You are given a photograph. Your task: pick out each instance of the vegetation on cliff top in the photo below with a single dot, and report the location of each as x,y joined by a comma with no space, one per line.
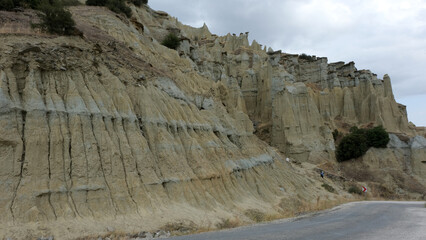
117,6
54,17
307,57
357,143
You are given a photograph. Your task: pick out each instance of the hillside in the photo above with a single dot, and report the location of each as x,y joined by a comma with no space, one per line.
113,132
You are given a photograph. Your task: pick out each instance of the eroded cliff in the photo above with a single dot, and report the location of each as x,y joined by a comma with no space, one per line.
114,129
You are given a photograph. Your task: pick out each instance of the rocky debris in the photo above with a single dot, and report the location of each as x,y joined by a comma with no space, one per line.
161,234
144,235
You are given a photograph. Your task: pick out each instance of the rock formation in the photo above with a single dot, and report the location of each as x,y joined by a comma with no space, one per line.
113,128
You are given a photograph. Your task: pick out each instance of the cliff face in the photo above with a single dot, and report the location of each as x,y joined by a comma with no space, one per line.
114,126
298,102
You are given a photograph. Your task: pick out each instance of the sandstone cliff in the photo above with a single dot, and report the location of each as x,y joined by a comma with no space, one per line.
114,129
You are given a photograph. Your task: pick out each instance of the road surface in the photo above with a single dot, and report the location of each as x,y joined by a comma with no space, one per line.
358,220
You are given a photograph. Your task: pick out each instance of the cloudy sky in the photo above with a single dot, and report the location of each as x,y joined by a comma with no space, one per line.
385,36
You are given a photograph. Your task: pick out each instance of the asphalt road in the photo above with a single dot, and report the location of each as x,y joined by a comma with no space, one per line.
358,220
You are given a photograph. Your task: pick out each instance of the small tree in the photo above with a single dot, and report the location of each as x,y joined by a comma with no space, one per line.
171,41
55,19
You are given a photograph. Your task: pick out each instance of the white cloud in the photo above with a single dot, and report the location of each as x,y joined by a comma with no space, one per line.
386,36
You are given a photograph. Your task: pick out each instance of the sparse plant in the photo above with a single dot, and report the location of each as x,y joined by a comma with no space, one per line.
180,227
171,41
355,190
328,188
227,223
255,215
335,134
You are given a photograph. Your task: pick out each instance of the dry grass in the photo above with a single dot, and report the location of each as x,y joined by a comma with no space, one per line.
263,131
302,207
255,215
181,227
258,216
328,188
289,210
116,235
228,223
355,190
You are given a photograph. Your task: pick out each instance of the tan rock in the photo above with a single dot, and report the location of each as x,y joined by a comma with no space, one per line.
86,143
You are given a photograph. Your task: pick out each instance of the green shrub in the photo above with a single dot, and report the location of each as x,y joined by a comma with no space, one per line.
96,2
351,146
328,187
377,137
171,41
139,2
10,4
307,57
359,141
67,3
7,5
119,6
